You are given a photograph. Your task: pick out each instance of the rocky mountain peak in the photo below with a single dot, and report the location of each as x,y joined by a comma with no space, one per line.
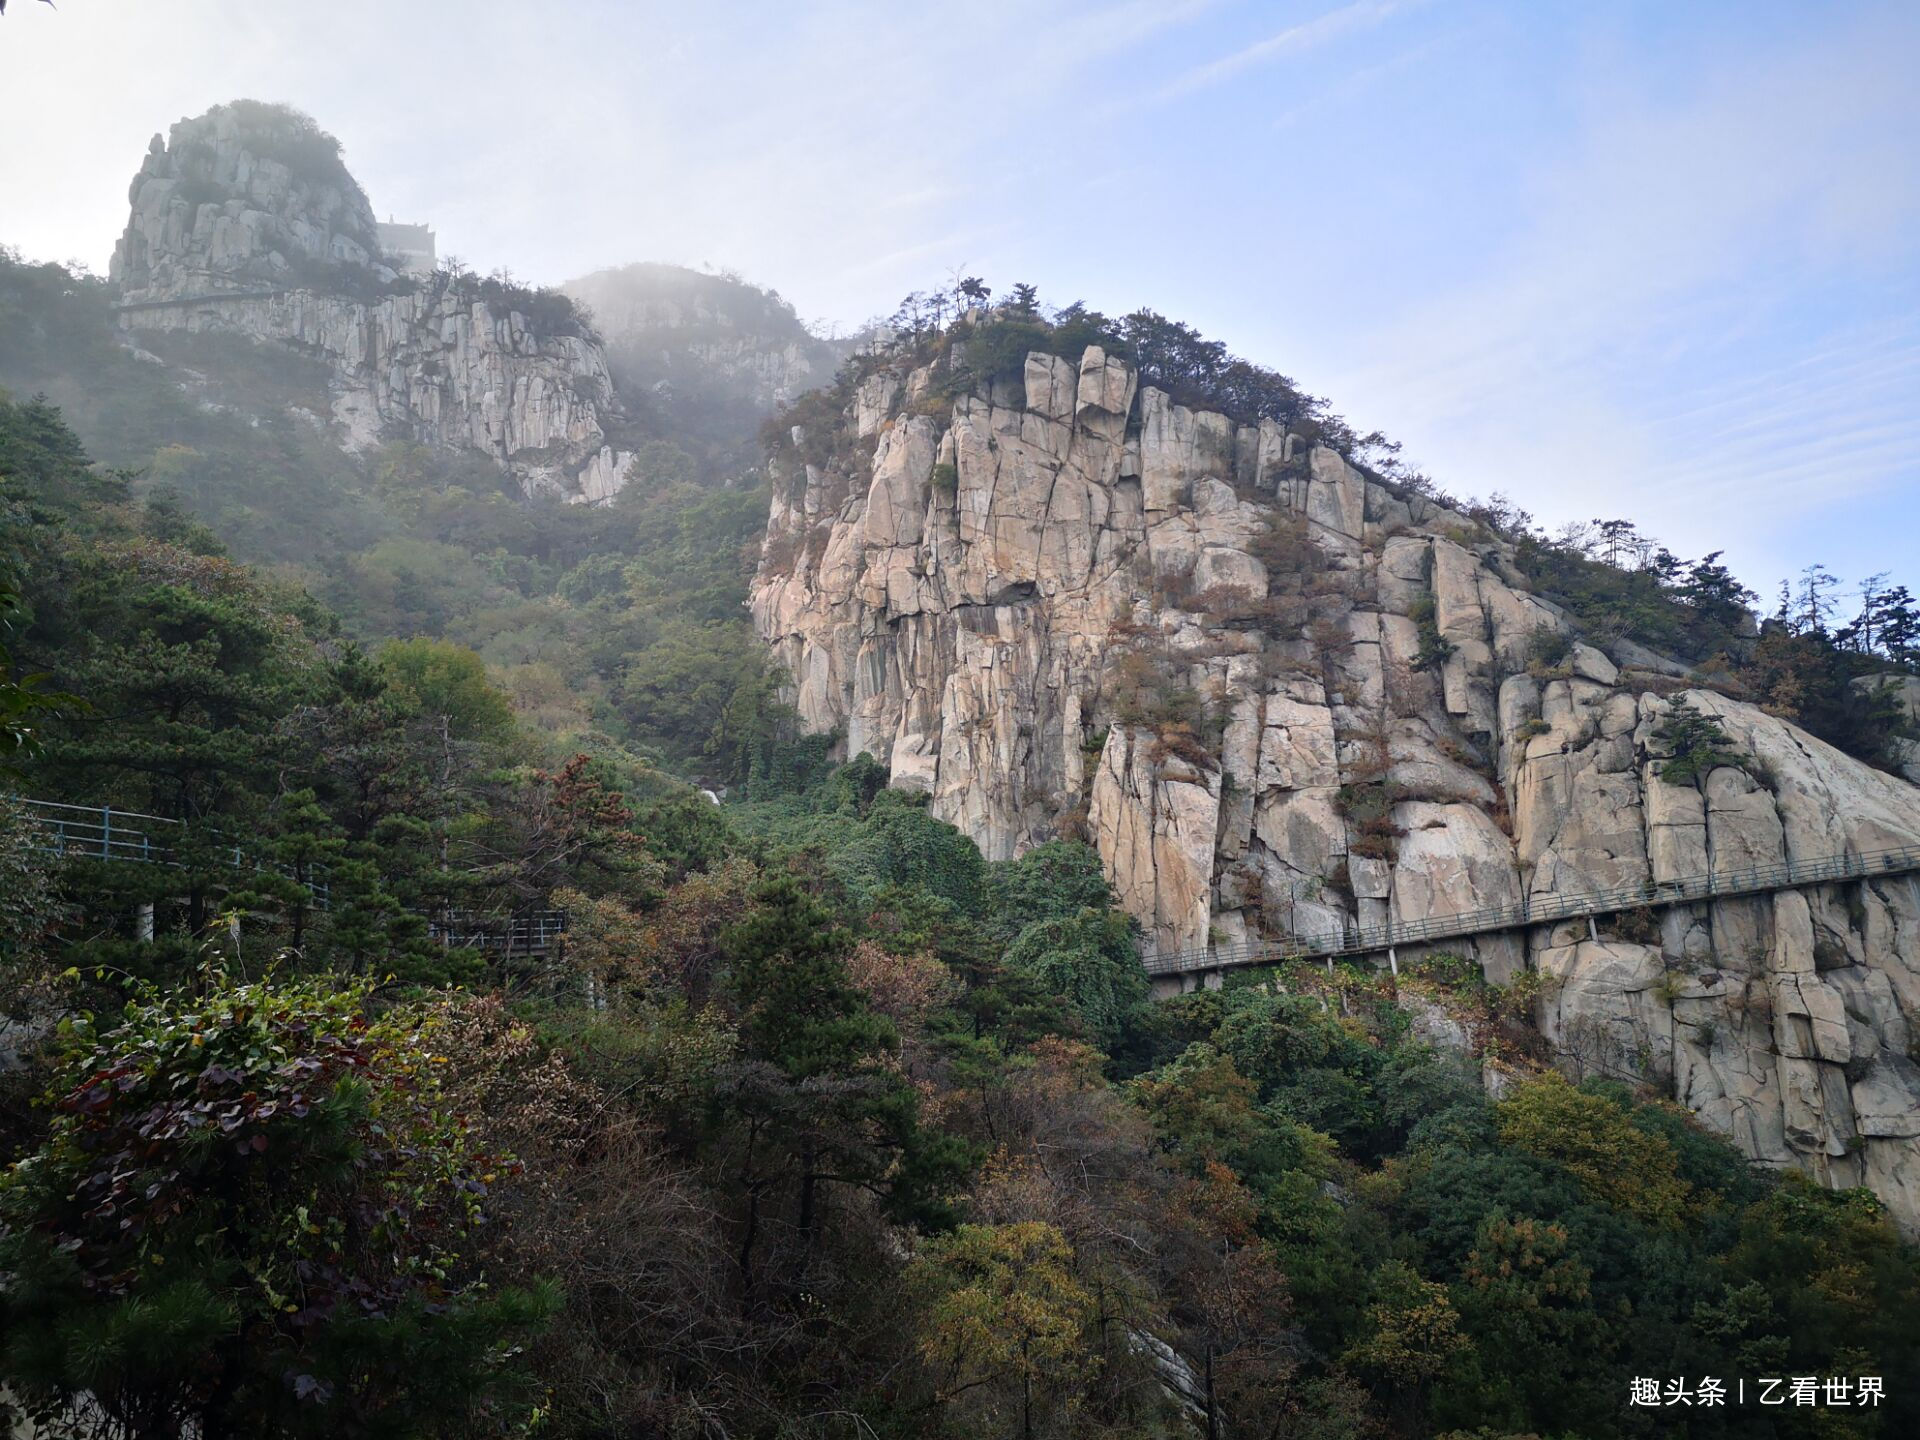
1284,697
705,356
248,193
246,222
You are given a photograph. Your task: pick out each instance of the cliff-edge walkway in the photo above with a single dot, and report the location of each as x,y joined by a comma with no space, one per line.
1364,940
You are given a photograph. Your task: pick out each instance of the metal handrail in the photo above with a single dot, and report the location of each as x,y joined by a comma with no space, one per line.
1542,909
100,832
530,931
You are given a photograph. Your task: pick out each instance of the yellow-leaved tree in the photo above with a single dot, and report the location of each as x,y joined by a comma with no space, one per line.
1006,1323
1415,1330
1615,1161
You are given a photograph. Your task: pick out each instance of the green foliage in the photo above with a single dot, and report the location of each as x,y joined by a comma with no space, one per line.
1801,665
1548,648
1054,881
24,701
685,831
44,480
185,664
1616,582
1481,1261
549,313
1809,677
1414,1331
30,908
871,840
1595,1139
448,683
1695,743
272,764
991,342
626,619
1368,805
264,1162
788,972
1435,648
1091,962
822,1094
1836,1282
1449,968
806,1094
899,843
275,487
1206,1112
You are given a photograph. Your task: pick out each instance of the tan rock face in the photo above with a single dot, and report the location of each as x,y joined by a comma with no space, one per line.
1155,823
222,239
1053,608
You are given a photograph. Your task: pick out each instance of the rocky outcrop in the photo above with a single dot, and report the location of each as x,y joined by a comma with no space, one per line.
1281,696
245,222
246,195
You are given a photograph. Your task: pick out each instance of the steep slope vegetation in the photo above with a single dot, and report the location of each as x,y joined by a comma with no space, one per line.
820,1121
624,620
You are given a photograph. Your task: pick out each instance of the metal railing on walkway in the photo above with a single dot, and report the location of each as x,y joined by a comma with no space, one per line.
1542,910
100,832
530,932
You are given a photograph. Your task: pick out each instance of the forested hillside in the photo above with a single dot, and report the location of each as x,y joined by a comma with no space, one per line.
623,621
813,1123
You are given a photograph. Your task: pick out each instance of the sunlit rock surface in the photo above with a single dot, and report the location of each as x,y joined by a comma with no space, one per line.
969,589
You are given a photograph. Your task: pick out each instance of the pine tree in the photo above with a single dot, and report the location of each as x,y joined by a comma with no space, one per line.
1695,743
817,1094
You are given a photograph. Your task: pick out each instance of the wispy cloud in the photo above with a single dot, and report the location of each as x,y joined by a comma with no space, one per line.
1362,81
1683,327
1294,40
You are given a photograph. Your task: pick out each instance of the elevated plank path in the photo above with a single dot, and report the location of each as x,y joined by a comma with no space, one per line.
1365,940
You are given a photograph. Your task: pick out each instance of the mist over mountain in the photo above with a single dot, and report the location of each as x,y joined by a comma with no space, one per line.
705,357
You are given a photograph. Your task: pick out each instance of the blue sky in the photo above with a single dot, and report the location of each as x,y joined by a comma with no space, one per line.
1653,260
